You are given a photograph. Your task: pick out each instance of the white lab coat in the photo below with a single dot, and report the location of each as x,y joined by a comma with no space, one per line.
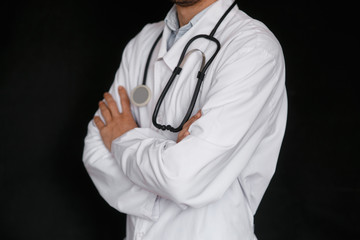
210,184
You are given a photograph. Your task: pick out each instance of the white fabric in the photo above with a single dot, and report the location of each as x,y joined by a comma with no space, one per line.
210,184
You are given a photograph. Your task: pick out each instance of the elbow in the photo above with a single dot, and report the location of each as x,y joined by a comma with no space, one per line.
186,175
191,195
179,195
189,188
198,201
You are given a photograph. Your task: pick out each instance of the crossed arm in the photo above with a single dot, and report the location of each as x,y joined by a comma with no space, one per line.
143,164
110,180
116,123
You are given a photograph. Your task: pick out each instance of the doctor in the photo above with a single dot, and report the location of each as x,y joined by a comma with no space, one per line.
206,181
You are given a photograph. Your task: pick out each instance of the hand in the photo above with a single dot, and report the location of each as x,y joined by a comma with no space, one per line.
116,123
185,130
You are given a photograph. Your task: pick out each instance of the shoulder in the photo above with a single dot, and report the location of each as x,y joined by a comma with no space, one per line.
251,57
149,32
144,38
244,33
247,45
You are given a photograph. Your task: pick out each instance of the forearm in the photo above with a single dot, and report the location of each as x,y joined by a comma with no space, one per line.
194,172
110,181
238,114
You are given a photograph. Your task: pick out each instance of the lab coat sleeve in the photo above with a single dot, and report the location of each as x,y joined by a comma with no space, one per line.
113,185
242,110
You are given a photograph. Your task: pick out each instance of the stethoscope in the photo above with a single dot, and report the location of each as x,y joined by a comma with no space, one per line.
141,95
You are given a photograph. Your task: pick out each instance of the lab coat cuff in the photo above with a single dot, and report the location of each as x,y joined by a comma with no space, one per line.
151,208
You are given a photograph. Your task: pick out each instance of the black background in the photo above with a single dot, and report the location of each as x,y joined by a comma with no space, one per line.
57,59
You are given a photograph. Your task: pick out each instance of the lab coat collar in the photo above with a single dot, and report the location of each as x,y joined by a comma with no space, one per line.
171,19
204,26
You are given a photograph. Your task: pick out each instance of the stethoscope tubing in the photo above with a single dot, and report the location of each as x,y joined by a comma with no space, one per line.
177,70
149,58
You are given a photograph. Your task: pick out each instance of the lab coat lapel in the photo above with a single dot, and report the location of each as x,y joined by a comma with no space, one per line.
204,26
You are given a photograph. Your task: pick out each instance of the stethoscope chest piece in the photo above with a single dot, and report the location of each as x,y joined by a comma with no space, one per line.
140,96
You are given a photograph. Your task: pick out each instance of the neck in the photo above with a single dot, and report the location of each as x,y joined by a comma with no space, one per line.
185,14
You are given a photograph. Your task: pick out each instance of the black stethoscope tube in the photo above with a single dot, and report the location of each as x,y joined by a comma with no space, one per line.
149,58
177,70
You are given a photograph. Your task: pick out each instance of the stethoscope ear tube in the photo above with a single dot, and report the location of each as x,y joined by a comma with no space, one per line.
193,100
201,74
200,77
191,106
177,70
149,57
189,53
